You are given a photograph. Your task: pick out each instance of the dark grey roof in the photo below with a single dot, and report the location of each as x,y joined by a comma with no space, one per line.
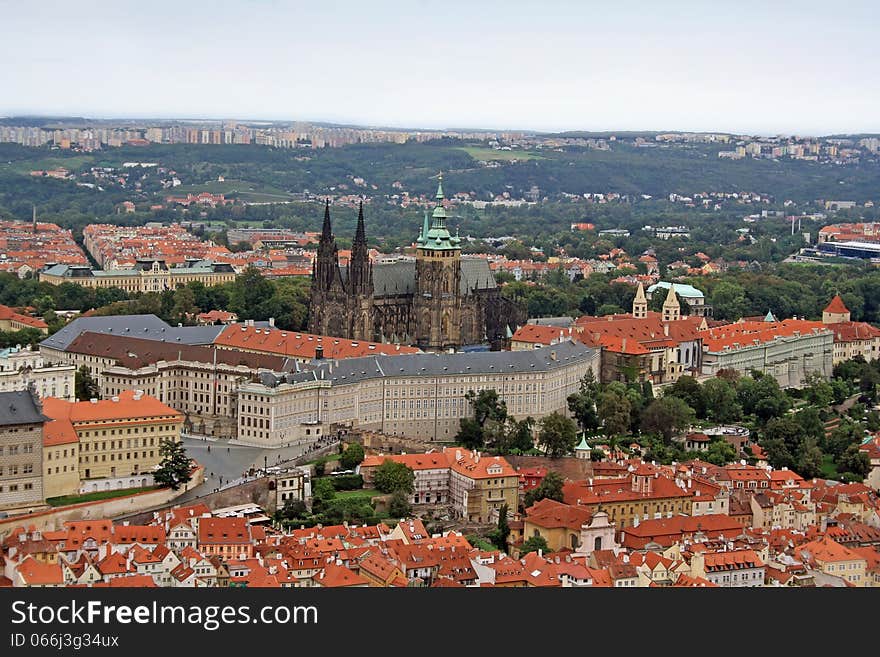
444,364
353,370
147,327
394,278
561,322
19,408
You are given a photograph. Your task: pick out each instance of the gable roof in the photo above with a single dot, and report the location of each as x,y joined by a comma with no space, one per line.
551,514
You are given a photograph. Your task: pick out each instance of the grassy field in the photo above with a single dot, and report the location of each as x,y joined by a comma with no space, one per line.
247,191
487,154
367,495
72,163
66,500
829,470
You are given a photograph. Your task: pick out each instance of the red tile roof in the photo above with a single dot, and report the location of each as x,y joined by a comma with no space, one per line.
551,514
302,345
836,306
37,573
127,408
224,531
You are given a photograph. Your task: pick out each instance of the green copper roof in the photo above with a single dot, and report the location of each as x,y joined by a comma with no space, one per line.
583,445
437,237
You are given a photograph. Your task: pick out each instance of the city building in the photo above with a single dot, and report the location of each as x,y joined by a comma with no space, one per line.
24,368
145,276
418,395
474,485
440,301
119,438
694,298
10,320
27,247
122,247
851,339
645,345
21,451
788,351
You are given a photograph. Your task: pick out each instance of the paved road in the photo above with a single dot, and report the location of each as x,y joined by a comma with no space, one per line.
228,464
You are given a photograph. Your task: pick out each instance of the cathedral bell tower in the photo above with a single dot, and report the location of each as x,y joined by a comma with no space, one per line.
437,302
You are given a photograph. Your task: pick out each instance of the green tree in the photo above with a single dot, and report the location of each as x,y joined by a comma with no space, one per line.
533,544
399,506
721,402
175,468
847,433
689,390
809,463
728,301
184,309
558,434
817,390
249,293
582,404
391,477
292,511
499,535
550,487
470,434
854,462
352,456
720,453
323,493
667,416
782,441
614,410
84,384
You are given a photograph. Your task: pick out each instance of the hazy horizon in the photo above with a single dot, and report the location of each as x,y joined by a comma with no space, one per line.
795,68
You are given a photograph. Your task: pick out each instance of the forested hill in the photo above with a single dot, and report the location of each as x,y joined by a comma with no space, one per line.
625,169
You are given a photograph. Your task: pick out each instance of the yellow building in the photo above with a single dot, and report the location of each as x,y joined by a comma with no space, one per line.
119,438
480,484
153,277
60,458
834,559
559,524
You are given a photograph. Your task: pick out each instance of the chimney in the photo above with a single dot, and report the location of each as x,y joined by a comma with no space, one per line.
666,330
272,322
552,355
319,352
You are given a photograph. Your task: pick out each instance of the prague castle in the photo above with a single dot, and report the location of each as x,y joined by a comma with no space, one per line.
441,301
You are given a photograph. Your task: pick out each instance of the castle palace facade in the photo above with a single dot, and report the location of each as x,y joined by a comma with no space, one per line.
441,301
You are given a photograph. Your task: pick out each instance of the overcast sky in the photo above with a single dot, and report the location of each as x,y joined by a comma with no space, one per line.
756,67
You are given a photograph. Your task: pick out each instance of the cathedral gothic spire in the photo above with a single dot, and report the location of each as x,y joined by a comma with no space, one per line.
360,272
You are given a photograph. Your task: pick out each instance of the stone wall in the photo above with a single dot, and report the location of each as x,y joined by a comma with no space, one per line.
54,519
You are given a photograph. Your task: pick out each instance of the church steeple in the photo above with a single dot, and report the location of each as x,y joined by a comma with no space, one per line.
671,307
327,260
327,229
360,236
360,278
640,303
437,237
